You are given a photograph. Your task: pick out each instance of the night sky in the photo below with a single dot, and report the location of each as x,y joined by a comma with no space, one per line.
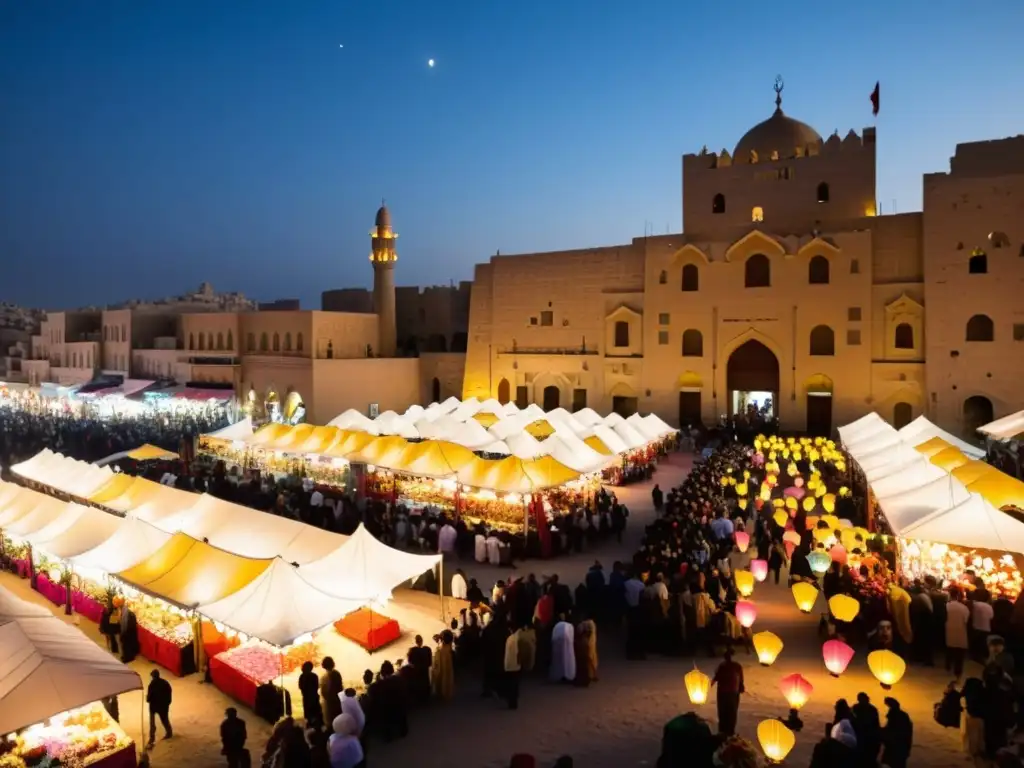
147,145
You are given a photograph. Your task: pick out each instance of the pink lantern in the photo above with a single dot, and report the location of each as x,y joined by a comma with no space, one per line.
791,536
742,541
837,655
796,689
746,613
790,546
838,553
760,569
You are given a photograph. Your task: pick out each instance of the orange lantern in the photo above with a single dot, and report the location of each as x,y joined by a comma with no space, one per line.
796,689
760,569
746,613
776,740
742,540
697,686
744,583
805,594
767,646
828,501
837,655
887,667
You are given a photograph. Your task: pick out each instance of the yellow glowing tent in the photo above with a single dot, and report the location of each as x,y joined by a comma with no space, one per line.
486,419
514,475
348,442
319,440
932,446
999,489
598,445
134,495
149,452
540,429
291,440
971,471
434,458
384,451
949,459
189,573
269,434
113,488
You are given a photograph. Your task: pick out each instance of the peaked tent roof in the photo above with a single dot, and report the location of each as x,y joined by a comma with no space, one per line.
48,667
148,452
79,529
973,523
42,513
512,475
864,425
1005,428
133,542
921,429
240,430
905,509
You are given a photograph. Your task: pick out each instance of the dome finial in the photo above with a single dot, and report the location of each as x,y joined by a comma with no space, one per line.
779,85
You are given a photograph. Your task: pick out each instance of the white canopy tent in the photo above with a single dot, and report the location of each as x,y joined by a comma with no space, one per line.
497,448
911,475
648,431
23,503
523,445
452,403
921,430
240,430
612,419
609,437
904,509
1005,428
629,435
48,667
658,424
865,425
79,529
353,419
390,423
134,541
42,514
511,425
974,523
575,454
588,417
470,434
54,470
438,428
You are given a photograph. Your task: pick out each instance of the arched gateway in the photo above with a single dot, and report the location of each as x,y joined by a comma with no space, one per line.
752,378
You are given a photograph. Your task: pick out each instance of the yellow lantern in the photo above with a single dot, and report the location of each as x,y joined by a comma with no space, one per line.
776,740
840,465
791,502
741,489
808,503
828,501
772,456
785,453
805,594
767,646
697,686
766,492
887,667
792,470
831,521
844,607
724,481
822,535
797,455
778,502
744,583
746,474
821,490
742,503
844,491
780,517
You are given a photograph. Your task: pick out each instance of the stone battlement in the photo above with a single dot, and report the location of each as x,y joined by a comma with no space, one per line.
705,160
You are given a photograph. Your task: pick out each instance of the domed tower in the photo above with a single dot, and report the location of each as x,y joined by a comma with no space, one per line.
383,256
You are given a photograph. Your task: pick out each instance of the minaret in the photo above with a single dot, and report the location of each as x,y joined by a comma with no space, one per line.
383,256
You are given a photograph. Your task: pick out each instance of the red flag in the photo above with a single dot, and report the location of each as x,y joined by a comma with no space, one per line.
874,100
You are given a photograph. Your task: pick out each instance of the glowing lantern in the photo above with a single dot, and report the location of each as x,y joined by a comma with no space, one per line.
791,502
837,655
791,536
791,470
797,455
772,456
768,646
746,613
772,481
887,667
840,465
766,492
724,481
790,546
811,522
744,583
828,501
831,521
805,594
760,569
808,503
697,686
838,553
844,491
741,489
742,503
822,535
746,474
742,540
796,689
776,740
819,562
780,517
844,607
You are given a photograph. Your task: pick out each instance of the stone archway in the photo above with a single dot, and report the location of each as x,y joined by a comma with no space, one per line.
552,397
752,368
504,391
977,412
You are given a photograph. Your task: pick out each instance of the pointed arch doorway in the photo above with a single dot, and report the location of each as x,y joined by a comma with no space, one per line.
819,405
752,379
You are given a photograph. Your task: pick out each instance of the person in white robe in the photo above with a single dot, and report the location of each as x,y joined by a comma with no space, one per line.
459,585
493,551
563,652
480,548
446,539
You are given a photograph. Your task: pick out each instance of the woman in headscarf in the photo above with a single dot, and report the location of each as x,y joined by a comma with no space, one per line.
443,669
343,746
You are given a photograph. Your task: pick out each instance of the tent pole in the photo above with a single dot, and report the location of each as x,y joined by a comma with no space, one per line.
440,587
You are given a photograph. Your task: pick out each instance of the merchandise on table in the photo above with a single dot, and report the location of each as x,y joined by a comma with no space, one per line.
165,621
86,736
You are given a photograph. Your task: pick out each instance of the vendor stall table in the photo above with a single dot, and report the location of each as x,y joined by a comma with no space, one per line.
233,682
368,628
54,592
87,606
123,758
175,658
22,567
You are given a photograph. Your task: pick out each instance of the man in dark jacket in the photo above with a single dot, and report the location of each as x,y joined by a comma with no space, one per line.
897,736
868,728
232,738
158,696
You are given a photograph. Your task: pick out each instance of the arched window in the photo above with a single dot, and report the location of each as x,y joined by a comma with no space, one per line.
818,271
662,277
718,203
106,333
978,263
231,341
288,341
823,341
124,333
277,341
191,341
693,343
757,272
691,277
298,342
757,214
504,391
263,342
902,413
823,192
977,413
209,341
980,328
250,342
435,390
621,334
904,336
202,342
220,340
552,397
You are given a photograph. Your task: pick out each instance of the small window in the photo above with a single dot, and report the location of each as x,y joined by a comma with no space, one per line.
853,314
818,271
547,317
192,340
522,397
250,342
853,337
663,318
264,345
691,278
854,267
220,340
718,203
663,277
533,321
757,272
621,333
823,341
579,400
823,192
1018,331
288,342
231,341
298,342
277,342
202,342
978,263
980,328
904,336
662,338
757,214
693,343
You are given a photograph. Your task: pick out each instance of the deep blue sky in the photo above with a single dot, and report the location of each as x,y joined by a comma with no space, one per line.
146,145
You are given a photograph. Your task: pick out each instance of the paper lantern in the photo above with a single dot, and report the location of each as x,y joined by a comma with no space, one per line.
828,501
742,540
792,536
844,607
767,646
792,470
805,594
791,502
760,569
746,474
831,521
778,502
838,553
776,740
844,491
811,522
823,535
744,583
772,481
742,503
837,655
808,503
741,489
724,481
780,517
766,492
746,613
887,667
790,546
697,686
797,690
819,562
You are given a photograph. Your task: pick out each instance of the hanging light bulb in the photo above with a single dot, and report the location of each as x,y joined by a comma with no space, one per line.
746,613
776,740
819,562
767,646
697,686
742,540
805,594
744,583
760,569
837,655
844,607
887,667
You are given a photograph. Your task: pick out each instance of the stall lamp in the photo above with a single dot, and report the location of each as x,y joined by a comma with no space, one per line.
805,594
776,740
767,646
843,607
697,686
837,655
819,561
744,583
887,667
742,540
746,613
760,569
